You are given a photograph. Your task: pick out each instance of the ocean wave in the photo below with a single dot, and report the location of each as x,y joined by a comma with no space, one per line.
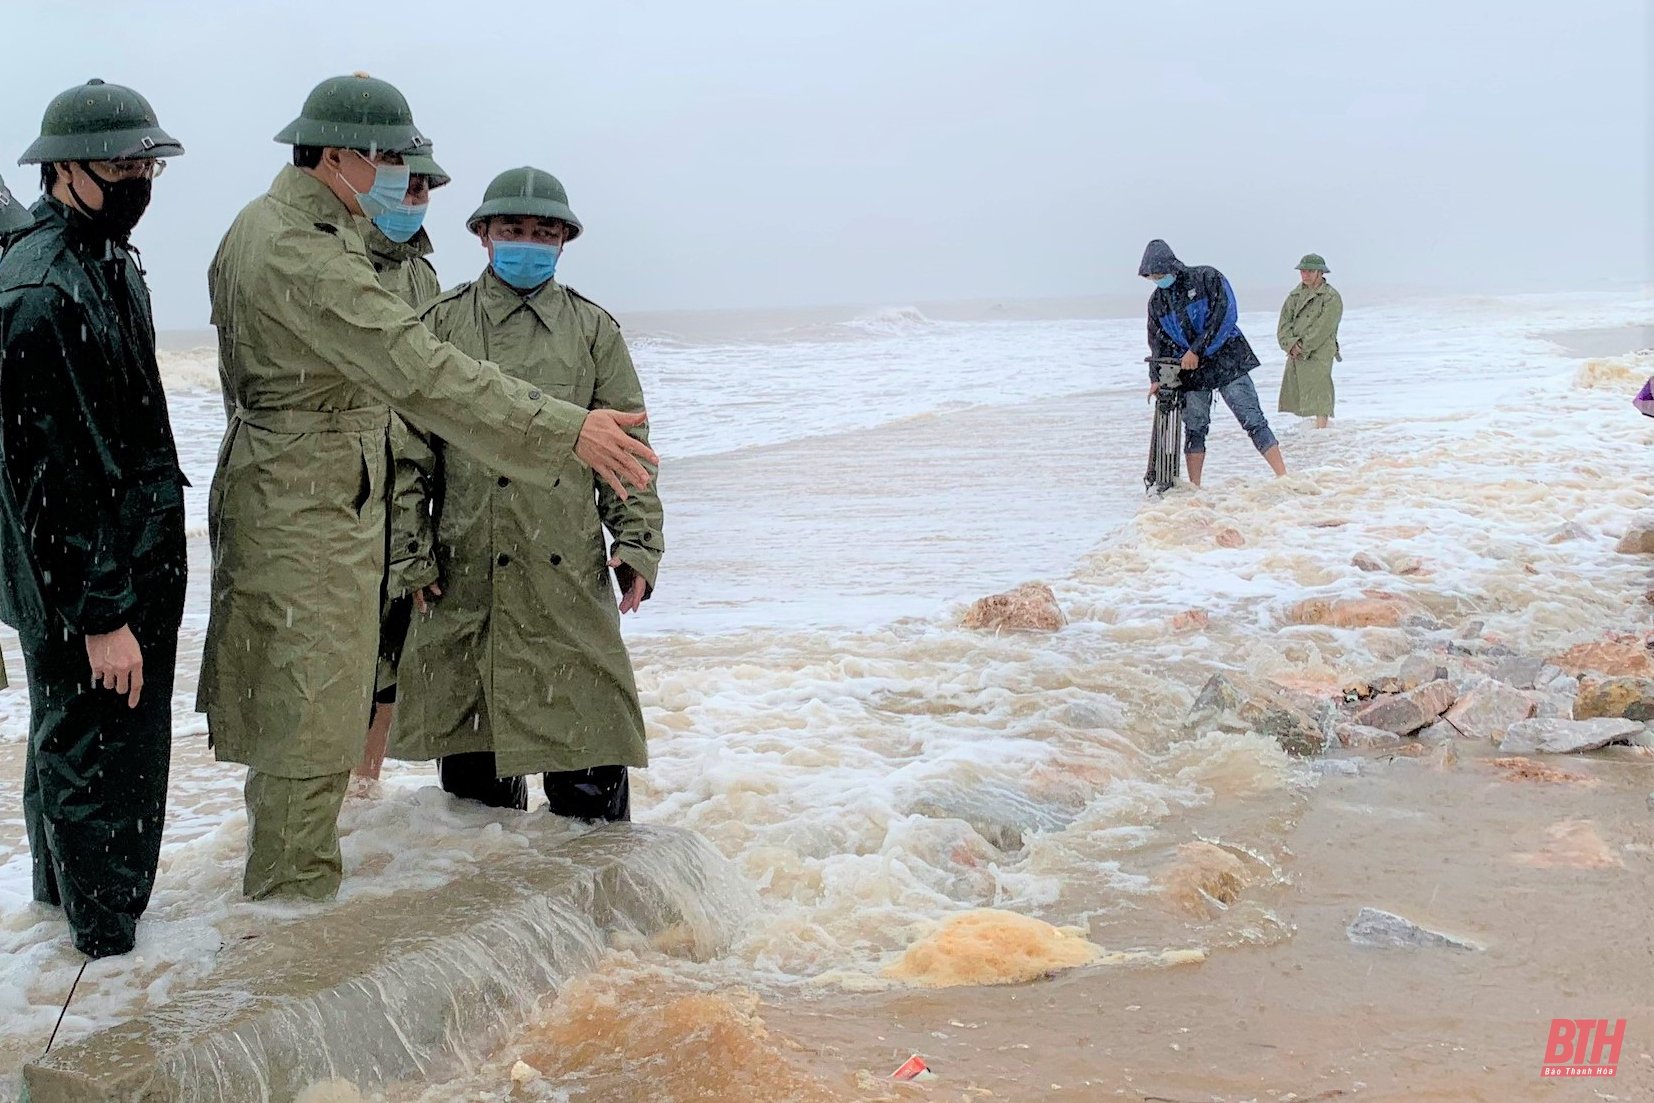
891,321
193,369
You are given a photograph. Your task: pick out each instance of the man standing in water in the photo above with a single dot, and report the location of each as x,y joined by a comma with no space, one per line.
1308,333
315,351
92,557
520,667
1193,319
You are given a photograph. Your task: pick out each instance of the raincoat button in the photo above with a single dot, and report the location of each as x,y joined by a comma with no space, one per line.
413,545
504,560
556,561
504,482
535,395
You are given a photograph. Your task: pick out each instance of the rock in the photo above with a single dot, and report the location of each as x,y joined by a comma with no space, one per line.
1406,713
1361,737
1031,607
1439,732
1648,596
1434,697
1080,714
1473,630
1638,540
1628,698
1377,610
1560,736
1407,566
1394,714
1204,879
1373,927
1003,815
1230,538
1521,671
1572,530
1621,656
1365,562
1551,706
1339,767
1191,620
1419,669
1488,709
1235,703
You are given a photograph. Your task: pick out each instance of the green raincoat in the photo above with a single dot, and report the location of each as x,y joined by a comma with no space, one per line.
312,348
1309,319
522,655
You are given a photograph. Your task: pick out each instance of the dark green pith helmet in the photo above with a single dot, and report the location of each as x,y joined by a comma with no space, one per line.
356,112
526,191
13,215
1313,262
424,164
99,122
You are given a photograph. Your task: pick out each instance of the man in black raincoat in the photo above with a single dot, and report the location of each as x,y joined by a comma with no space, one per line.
1193,319
91,515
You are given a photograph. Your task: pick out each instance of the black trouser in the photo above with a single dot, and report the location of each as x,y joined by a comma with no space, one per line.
600,793
95,779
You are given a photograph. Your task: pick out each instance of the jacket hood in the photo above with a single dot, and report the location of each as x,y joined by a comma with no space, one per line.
1159,258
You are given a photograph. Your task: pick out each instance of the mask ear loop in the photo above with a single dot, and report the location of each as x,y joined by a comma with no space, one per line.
103,193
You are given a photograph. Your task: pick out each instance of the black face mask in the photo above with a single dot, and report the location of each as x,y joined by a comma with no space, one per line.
124,203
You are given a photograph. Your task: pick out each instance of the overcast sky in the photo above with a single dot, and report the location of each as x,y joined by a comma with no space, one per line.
727,154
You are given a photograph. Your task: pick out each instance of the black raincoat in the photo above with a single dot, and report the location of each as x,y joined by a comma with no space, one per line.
91,538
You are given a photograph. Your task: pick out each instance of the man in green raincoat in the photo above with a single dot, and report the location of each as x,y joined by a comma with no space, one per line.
519,668
92,563
315,352
399,246
1308,333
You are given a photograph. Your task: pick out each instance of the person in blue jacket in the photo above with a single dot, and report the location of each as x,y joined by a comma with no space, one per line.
1192,318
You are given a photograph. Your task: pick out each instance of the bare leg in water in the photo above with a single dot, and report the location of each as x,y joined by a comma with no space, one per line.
365,778
1321,422
1196,461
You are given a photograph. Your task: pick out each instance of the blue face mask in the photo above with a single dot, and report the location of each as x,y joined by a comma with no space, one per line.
402,221
525,265
390,185
1166,281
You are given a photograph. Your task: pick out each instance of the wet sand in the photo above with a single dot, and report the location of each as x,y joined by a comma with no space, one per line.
1315,1015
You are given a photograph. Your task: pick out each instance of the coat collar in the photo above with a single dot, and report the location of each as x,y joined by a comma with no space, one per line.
500,300
299,189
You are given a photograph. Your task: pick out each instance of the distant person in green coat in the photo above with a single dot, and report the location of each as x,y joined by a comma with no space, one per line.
1308,333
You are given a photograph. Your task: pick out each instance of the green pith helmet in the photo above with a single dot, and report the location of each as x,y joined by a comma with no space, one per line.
526,191
356,112
1313,262
13,215
99,122
424,164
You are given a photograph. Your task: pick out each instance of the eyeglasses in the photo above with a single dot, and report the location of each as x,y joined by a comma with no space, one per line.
129,169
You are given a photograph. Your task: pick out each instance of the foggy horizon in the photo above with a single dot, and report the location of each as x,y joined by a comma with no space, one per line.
739,157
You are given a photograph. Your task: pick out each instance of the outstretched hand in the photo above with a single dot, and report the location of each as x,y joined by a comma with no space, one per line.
612,453
1190,361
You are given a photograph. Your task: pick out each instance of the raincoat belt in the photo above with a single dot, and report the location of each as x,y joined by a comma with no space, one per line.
367,419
